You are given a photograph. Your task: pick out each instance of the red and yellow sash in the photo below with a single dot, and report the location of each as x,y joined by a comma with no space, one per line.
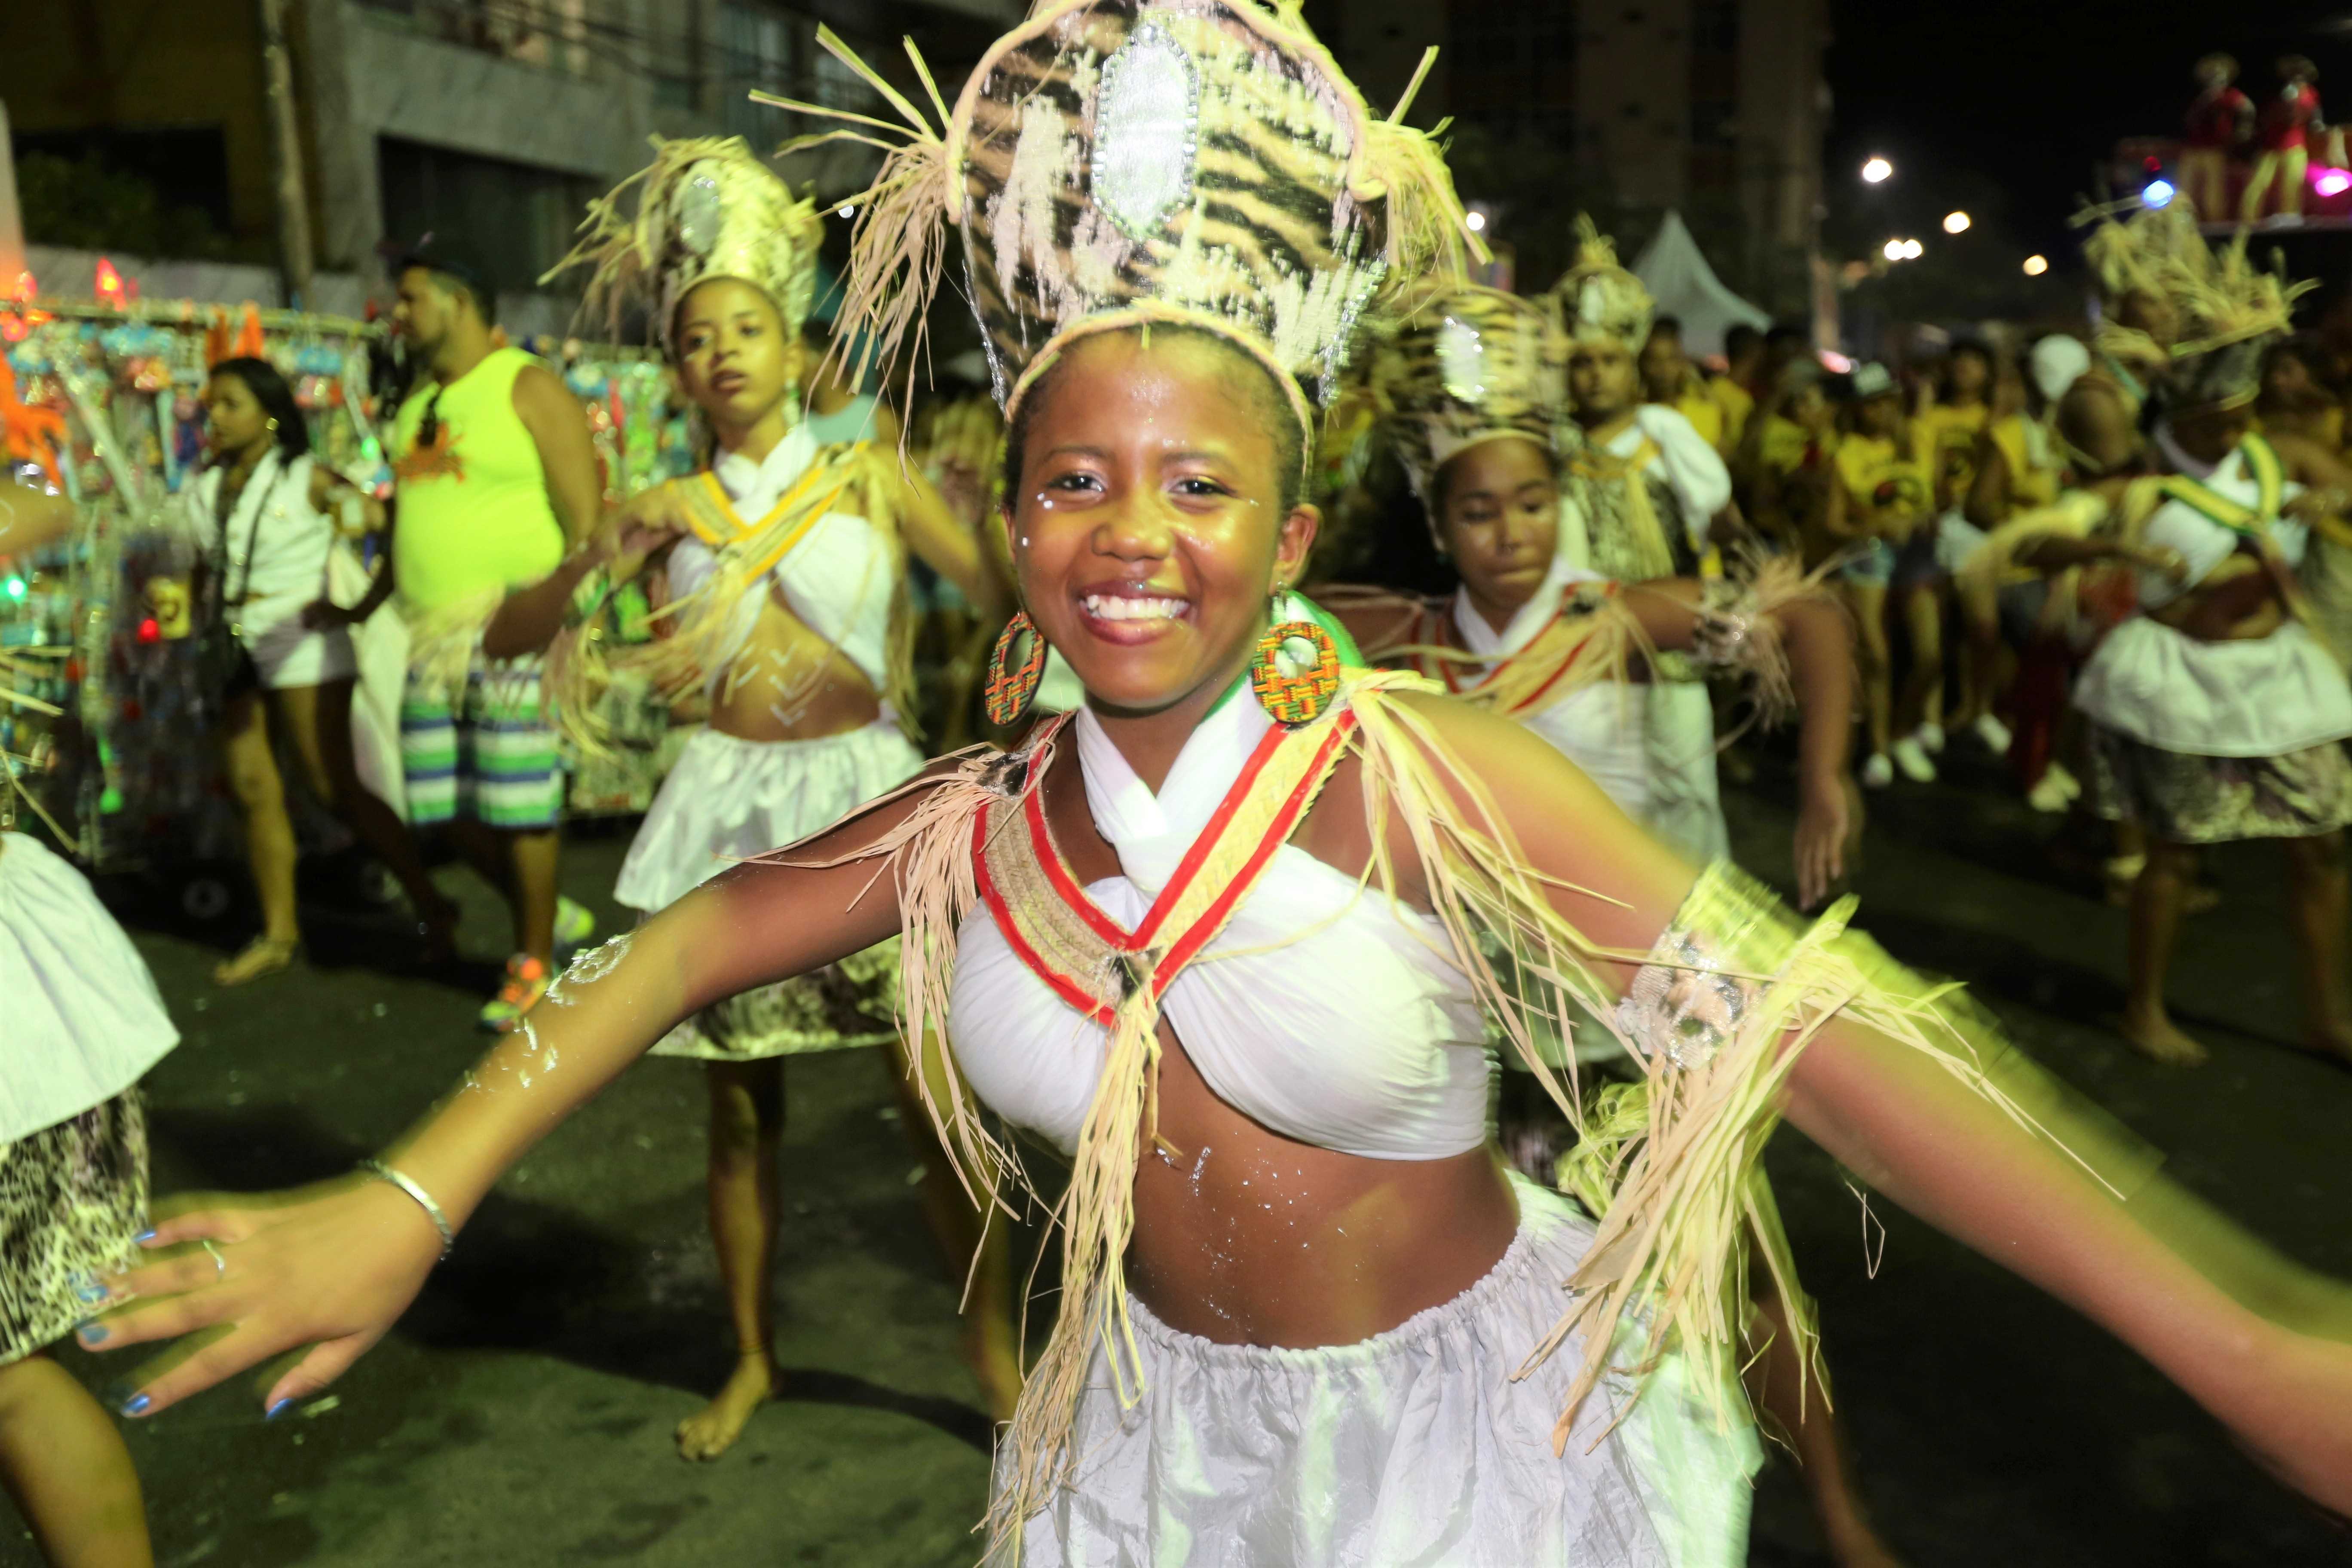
1083,954
1581,641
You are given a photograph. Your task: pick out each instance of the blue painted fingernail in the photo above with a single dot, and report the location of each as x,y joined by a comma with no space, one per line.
121,1396
275,1411
92,1333
143,1238
85,1286
137,1407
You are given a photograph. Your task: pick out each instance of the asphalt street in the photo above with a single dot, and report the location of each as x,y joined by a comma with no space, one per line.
522,1414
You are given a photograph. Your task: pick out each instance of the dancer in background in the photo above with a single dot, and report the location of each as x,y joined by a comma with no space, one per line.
259,512
1645,488
1470,391
83,1024
786,600
1303,1315
2216,712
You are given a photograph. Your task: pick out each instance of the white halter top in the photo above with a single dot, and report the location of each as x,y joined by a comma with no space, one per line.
1322,1012
837,580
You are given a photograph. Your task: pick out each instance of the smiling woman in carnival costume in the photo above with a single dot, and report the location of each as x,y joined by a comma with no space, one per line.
1303,1316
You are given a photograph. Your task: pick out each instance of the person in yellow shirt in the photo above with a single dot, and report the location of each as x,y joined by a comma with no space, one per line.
494,478
1668,376
1743,356
1883,507
1944,435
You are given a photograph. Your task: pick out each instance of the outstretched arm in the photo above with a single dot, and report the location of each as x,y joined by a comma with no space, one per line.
2194,1295
332,1266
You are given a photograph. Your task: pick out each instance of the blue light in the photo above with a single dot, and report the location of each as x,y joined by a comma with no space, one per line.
2156,192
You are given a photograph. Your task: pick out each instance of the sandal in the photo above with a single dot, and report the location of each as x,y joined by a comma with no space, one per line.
262,955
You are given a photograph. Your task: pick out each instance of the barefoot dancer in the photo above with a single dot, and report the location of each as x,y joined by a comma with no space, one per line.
82,1024
1470,392
2216,713
787,597
1303,1314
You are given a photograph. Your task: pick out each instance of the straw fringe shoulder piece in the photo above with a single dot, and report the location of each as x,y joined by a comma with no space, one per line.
693,634
1731,993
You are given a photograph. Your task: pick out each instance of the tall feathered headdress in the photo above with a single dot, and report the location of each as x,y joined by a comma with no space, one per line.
1468,365
704,208
2227,310
1116,162
1597,299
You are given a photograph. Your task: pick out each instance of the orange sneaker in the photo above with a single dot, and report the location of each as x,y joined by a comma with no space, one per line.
526,982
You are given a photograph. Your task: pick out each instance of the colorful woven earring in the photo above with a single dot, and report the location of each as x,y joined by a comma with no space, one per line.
1295,699
1009,691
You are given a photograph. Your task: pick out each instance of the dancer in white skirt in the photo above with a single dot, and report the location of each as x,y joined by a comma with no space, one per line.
2216,712
786,600
79,1023
1302,1312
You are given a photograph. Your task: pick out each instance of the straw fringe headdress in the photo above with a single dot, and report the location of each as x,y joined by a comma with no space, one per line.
2228,310
1467,366
1113,163
1599,300
704,208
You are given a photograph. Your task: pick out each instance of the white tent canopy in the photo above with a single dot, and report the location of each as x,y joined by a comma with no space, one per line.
1677,276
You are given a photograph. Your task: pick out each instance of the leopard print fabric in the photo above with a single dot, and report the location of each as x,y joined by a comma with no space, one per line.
72,1198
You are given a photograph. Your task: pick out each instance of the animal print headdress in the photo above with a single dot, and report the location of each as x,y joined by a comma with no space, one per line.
1470,365
1116,162
704,208
1597,299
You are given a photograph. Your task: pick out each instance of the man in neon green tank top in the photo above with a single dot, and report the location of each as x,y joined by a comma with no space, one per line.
496,479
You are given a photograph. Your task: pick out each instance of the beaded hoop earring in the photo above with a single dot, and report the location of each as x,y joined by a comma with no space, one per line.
1009,691
1295,700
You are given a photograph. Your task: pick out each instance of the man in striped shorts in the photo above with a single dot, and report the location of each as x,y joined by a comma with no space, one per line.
494,478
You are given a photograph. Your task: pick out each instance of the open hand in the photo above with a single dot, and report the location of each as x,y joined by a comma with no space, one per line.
1823,822
328,1267
647,521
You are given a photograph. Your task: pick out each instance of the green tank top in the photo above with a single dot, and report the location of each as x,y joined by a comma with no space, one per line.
474,512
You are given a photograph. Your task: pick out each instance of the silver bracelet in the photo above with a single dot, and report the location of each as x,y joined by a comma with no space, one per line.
383,1172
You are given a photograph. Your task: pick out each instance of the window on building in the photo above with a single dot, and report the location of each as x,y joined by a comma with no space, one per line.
516,219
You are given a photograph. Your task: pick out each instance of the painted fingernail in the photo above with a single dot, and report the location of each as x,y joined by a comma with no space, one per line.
275,1410
92,1333
122,1397
144,1237
85,1286
136,1405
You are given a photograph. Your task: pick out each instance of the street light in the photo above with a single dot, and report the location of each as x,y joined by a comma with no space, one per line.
1913,250
1891,251
2035,265
1876,170
1475,221
1956,223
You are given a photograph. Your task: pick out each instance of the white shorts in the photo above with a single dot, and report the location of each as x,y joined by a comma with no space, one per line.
287,653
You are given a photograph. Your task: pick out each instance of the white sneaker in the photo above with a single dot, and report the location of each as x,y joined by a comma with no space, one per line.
1913,761
1930,736
1877,773
2048,794
1994,734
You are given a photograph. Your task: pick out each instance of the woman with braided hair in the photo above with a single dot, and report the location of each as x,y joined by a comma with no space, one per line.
1304,1317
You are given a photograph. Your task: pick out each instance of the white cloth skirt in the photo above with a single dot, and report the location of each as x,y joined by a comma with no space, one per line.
2261,697
1411,1449
1685,804
728,799
1604,730
80,1017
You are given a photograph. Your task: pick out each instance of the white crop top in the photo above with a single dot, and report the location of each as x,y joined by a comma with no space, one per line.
1321,1011
838,580
2202,542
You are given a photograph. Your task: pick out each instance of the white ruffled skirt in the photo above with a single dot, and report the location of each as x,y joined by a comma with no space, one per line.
1411,1449
728,799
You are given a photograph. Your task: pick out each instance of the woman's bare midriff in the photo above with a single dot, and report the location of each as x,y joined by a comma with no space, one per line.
787,683
1245,1236
2235,602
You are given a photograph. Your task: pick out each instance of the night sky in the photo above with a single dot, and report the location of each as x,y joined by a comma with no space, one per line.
2010,103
